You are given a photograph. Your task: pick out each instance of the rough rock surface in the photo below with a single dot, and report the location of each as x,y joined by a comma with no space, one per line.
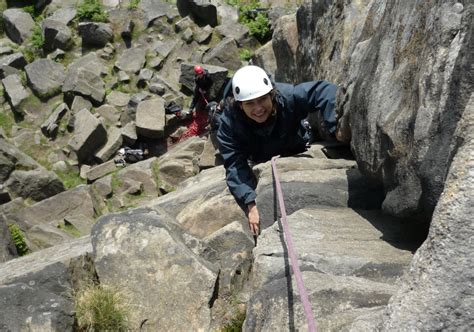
36,290
437,293
407,82
144,252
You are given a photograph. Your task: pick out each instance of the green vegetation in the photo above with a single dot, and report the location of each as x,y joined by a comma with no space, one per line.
235,324
35,14
37,39
257,21
133,4
69,229
3,6
100,308
116,182
92,10
245,54
6,122
70,179
35,45
18,239
155,169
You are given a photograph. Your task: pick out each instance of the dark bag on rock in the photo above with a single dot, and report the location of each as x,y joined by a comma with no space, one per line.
172,108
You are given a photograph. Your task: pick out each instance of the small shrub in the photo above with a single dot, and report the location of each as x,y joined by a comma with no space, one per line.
30,10
235,325
260,28
35,45
35,14
92,10
257,21
101,309
18,239
133,4
245,54
37,39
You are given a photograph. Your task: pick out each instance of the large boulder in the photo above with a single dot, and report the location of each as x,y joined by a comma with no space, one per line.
64,15
154,9
50,127
35,290
144,252
89,135
285,44
224,54
41,221
95,34
406,83
114,142
15,90
36,184
265,57
202,11
56,35
177,164
150,118
315,182
45,77
84,77
131,60
11,158
437,292
347,267
15,60
18,24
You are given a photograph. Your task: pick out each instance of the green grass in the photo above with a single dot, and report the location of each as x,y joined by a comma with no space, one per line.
70,179
6,122
70,229
245,54
91,10
18,239
116,182
235,324
36,43
133,4
155,169
100,308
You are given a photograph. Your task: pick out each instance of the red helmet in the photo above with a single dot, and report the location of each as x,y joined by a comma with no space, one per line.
198,69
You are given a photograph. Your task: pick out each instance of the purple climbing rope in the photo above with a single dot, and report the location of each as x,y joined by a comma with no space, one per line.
292,253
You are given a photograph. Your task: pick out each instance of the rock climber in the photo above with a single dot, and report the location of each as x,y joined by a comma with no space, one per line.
264,120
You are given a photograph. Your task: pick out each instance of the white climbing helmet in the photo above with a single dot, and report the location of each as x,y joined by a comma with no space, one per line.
250,82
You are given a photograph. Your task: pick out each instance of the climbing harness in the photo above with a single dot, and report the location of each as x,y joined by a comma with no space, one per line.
292,252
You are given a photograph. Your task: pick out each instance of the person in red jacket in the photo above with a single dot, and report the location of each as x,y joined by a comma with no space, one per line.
197,109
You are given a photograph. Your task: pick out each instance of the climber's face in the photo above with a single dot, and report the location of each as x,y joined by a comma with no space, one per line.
258,109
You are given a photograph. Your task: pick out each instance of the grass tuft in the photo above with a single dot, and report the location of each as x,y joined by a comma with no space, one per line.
100,308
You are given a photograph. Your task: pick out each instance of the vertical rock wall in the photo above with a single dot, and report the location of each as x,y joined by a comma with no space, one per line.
407,72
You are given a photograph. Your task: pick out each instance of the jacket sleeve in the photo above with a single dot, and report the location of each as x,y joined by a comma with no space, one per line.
239,176
317,96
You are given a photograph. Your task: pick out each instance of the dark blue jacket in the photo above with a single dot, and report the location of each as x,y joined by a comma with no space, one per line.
242,139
